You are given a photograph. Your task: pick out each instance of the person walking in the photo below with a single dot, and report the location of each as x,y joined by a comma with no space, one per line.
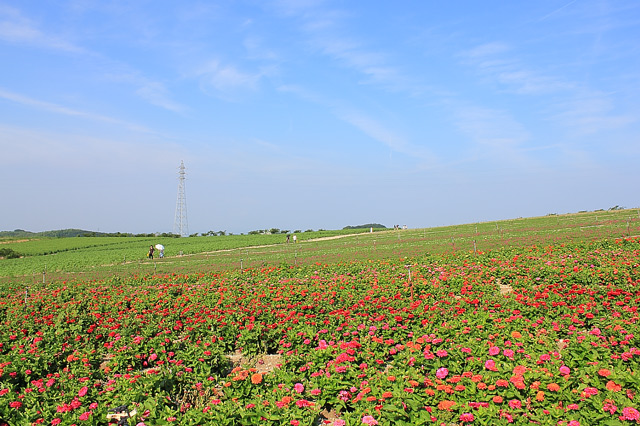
151,250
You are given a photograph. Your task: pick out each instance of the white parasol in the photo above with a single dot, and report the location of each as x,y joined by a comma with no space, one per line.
159,246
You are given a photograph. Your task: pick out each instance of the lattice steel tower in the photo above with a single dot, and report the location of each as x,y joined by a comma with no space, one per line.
180,225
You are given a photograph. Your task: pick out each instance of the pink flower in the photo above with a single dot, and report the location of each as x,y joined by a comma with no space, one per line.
298,387
315,392
466,417
490,365
15,404
294,422
573,423
83,391
608,406
369,420
339,422
56,421
590,391
442,373
442,353
515,404
85,416
494,350
629,413
565,370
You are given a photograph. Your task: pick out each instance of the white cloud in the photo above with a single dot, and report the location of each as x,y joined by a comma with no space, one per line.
327,31
15,28
590,112
374,129
487,49
157,94
498,62
60,109
496,133
226,80
51,150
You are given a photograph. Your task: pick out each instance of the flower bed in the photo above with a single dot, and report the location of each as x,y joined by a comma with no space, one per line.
425,340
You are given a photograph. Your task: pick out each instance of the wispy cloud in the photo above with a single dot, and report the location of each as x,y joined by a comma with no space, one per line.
589,113
49,149
558,10
327,31
60,109
364,122
481,52
374,129
16,28
495,133
226,80
571,104
498,61
157,94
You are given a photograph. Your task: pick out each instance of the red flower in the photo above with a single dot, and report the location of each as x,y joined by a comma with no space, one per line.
256,378
613,386
446,405
604,372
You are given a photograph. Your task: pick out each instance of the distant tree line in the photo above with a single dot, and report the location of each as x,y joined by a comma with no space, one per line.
367,226
69,233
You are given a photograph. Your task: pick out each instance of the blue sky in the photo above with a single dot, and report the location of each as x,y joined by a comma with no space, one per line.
301,114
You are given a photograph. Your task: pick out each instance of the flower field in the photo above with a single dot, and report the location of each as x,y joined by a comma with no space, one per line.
530,335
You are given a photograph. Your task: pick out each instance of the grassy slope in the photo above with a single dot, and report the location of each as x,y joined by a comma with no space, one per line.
97,257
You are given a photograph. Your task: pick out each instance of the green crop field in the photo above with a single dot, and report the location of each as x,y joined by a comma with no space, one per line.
50,259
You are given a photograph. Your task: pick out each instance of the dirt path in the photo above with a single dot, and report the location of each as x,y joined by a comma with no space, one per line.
13,241
334,237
